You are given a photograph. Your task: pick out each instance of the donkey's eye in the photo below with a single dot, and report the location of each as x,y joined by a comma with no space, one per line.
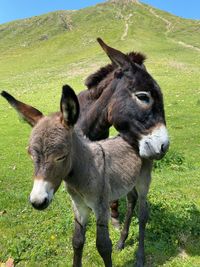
144,97
61,158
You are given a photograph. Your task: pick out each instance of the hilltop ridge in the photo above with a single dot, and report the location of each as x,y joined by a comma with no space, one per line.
125,1
132,17
64,43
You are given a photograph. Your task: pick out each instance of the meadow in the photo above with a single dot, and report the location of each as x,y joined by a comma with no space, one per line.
39,55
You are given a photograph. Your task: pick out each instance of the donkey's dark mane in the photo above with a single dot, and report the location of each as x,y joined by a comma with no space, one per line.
95,78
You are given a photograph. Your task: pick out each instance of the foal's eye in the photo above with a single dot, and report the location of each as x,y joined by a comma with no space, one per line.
61,158
144,97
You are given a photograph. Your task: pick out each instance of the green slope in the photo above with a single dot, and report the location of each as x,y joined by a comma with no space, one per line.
40,54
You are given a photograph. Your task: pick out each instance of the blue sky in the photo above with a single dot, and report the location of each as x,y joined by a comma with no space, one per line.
17,9
183,8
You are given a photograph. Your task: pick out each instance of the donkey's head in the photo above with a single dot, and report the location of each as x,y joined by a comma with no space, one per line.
136,107
50,145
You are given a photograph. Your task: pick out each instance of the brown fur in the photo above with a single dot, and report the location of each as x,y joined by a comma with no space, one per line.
94,79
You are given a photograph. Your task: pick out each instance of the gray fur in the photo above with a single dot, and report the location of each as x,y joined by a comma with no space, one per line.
95,173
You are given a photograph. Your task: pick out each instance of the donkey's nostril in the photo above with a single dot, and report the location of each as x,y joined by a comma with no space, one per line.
41,205
45,201
164,147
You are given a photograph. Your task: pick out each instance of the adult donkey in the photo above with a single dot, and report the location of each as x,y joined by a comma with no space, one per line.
124,94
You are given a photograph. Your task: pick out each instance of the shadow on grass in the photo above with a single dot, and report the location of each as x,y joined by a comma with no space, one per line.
173,229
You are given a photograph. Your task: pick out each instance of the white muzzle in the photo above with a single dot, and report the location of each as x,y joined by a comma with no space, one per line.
155,144
41,194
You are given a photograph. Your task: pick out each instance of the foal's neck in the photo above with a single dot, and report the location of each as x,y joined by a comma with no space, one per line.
87,160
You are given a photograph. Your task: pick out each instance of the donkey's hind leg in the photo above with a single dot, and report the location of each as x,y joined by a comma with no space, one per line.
115,214
142,187
143,218
131,202
103,242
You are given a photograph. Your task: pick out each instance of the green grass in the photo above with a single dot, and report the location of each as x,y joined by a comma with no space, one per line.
34,69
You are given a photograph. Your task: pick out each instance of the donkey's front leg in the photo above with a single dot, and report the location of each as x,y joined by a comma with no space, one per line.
103,242
81,217
78,243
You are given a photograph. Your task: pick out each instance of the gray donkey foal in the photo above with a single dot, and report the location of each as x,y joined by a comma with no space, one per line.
95,173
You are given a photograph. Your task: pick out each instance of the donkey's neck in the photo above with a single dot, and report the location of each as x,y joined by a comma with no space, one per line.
94,115
87,157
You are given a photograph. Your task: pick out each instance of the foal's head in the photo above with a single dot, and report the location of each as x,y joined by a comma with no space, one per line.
50,145
136,106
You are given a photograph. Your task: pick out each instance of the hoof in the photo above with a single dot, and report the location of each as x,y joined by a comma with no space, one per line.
115,223
139,264
140,261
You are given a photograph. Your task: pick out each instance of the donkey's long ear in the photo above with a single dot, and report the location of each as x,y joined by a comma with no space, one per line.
116,56
69,106
28,113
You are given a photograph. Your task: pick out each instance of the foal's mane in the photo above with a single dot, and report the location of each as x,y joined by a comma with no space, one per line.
94,79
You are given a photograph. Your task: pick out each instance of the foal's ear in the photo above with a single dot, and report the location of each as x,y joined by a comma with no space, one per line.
116,56
69,106
28,113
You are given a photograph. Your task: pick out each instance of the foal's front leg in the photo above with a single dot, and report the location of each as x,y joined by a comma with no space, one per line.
81,216
103,242
78,243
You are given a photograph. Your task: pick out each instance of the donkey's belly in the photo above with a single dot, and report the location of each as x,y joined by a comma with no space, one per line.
120,186
122,171
122,166
122,177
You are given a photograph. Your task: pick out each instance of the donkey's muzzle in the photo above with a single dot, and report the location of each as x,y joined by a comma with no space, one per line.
161,153
41,194
40,205
155,144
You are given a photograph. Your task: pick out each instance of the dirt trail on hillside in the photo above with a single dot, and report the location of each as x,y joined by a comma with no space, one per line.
188,45
168,23
126,19
169,27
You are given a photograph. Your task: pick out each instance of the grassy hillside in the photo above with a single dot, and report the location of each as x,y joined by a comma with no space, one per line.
39,55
